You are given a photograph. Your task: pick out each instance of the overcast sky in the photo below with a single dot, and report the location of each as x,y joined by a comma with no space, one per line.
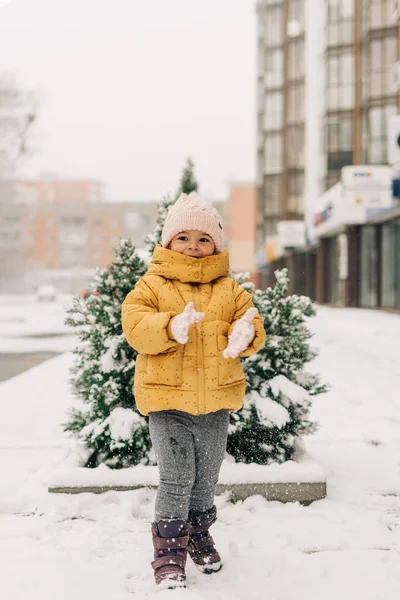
129,88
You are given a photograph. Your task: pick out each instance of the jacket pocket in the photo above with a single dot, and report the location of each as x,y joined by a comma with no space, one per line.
164,369
230,370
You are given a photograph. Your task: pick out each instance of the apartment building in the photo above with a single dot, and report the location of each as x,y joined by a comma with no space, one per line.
280,114
240,214
351,67
61,230
326,88
362,49
328,80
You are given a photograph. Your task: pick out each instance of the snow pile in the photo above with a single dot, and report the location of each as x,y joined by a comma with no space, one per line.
270,412
30,326
288,391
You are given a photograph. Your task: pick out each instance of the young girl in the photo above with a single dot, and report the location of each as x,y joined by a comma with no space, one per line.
190,323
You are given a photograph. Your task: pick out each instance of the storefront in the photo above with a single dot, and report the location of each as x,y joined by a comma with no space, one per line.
380,262
350,247
390,264
369,267
354,259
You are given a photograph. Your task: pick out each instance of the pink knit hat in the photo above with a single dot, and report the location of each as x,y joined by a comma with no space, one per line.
193,212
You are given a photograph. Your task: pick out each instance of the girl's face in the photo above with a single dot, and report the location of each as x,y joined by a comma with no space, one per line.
193,243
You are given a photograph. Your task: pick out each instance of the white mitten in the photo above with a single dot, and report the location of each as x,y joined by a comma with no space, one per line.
181,323
242,334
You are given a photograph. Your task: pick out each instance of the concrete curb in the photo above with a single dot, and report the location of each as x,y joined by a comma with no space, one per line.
305,493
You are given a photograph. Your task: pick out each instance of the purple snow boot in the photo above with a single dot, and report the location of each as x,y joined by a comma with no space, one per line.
201,545
170,540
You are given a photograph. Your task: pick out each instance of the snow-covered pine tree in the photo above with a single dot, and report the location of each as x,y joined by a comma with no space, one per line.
279,389
108,424
188,182
154,238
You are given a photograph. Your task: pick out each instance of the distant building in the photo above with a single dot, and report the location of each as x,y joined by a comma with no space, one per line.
328,80
241,215
280,114
59,231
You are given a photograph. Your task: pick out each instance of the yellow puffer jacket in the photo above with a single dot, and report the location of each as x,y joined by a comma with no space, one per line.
193,377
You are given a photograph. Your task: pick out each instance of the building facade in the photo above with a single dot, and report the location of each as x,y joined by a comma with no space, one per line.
362,49
280,114
60,231
351,74
241,218
326,88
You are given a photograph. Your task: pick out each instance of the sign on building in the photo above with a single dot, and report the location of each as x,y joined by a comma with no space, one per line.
362,192
365,188
291,234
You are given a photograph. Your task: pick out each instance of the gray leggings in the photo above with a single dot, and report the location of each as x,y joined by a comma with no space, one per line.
189,451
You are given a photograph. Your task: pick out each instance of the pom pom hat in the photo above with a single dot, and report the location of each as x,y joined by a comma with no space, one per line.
193,212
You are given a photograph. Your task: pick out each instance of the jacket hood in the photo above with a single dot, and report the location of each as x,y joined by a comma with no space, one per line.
186,269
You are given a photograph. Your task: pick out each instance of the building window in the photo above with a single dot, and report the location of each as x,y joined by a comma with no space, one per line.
273,111
383,55
378,118
365,73
271,228
337,160
273,25
295,17
339,141
295,192
381,13
71,221
390,266
273,153
340,22
295,147
369,268
339,133
72,256
133,221
340,81
296,59
272,191
10,237
296,103
273,69
12,220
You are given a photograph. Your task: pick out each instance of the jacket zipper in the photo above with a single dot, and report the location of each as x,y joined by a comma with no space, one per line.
200,361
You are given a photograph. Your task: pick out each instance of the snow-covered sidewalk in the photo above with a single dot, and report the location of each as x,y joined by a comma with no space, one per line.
98,547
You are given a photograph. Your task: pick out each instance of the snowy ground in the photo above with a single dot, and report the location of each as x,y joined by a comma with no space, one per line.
30,326
98,547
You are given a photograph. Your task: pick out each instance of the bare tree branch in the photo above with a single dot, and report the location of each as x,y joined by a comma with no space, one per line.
18,112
